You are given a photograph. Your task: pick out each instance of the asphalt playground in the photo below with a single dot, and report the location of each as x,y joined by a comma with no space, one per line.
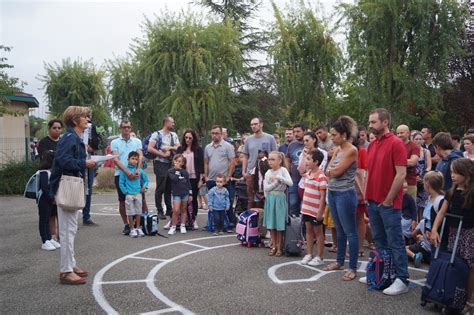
184,274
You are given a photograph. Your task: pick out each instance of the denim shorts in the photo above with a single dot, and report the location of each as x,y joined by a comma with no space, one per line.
180,197
312,220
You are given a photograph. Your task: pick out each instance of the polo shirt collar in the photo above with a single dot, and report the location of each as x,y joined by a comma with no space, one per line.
219,144
385,136
122,138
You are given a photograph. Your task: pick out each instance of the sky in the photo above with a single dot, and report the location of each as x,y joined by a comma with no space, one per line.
49,31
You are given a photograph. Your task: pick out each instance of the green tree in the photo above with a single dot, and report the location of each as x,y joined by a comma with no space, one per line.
180,67
306,62
398,52
8,85
76,83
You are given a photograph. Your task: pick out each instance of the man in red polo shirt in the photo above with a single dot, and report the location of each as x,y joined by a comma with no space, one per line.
386,174
413,154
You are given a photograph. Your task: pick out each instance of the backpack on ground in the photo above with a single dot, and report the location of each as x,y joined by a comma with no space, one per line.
210,222
247,228
380,270
149,223
293,236
448,277
145,143
190,218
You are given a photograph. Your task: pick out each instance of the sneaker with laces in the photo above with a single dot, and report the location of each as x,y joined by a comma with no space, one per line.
417,260
140,232
134,233
167,226
316,261
215,234
306,259
48,246
182,229
55,244
196,226
363,280
397,287
172,230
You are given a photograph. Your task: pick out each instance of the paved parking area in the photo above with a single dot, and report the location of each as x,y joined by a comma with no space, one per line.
191,273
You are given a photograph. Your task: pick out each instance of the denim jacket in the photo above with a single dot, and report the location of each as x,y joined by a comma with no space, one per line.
218,199
70,159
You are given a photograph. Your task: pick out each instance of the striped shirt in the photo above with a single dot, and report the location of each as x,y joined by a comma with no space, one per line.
312,193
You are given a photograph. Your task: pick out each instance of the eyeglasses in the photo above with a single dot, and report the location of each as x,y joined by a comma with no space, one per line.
215,133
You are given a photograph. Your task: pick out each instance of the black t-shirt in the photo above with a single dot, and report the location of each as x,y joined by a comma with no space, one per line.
432,151
409,207
46,144
456,207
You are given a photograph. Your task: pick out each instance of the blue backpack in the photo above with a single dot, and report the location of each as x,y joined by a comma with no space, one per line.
380,270
145,143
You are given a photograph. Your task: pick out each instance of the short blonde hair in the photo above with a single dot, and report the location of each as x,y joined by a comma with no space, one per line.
73,113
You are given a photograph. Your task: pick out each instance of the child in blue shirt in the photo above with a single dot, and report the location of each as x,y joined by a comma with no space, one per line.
133,189
219,203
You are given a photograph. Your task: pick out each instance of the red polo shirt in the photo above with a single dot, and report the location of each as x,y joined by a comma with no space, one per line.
384,154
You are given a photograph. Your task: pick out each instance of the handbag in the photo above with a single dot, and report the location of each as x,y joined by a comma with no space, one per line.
70,195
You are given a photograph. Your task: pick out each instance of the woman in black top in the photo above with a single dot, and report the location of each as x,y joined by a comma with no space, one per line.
194,155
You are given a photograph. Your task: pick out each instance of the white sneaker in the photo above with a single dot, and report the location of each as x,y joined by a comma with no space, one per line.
182,229
140,232
167,226
55,244
48,246
363,280
134,233
316,261
306,259
196,226
172,230
397,287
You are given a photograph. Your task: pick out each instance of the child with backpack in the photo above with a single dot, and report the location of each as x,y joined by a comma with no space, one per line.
433,183
421,249
219,203
313,206
182,193
460,201
45,204
133,189
277,180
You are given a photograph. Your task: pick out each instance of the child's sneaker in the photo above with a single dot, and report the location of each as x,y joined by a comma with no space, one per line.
167,226
215,234
417,260
55,244
172,230
306,259
182,229
196,226
48,246
140,232
134,233
316,261
126,230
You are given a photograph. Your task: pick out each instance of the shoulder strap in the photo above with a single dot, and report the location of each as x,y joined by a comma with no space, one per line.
437,203
172,139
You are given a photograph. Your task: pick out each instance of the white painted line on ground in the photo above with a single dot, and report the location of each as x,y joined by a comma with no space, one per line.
148,258
163,311
97,287
124,281
196,245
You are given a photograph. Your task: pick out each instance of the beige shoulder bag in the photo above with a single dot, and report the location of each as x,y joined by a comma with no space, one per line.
70,195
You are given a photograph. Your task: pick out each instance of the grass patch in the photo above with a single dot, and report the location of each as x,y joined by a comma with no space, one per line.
14,175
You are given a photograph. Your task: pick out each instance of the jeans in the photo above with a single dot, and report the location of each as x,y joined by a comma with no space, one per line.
90,182
44,211
163,187
387,234
343,206
294,200
219,220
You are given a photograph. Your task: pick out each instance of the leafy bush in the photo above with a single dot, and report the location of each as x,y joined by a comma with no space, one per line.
105,178
14,176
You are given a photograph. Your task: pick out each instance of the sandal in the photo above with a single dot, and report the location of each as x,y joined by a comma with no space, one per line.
333,266
333,249
371,246
279,253
63,279
272,252
81,273
349,275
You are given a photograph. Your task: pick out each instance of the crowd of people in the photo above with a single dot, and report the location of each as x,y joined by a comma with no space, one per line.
387,190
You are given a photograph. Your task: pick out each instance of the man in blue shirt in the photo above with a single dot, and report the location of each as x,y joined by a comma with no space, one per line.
443,146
